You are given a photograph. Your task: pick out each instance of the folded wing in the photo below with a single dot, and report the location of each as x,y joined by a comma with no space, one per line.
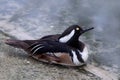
48,46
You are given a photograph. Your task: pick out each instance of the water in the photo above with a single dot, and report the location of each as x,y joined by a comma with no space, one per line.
42,17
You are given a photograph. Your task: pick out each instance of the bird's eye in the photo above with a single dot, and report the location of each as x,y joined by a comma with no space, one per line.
77,28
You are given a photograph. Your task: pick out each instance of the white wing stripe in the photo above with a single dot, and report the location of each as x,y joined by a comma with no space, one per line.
37,49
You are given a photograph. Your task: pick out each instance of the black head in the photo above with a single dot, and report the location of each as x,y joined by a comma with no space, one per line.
72,33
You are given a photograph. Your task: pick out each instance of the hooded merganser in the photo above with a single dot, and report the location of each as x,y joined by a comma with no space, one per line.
64,49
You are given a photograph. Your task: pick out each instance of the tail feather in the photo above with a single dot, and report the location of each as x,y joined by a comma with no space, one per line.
17,43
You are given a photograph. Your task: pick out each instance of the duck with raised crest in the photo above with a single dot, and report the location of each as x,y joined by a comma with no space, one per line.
64,49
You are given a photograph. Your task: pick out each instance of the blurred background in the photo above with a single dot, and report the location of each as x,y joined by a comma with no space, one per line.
32,19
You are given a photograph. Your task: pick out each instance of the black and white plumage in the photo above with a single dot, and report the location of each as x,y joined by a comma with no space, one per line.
62,48
56,47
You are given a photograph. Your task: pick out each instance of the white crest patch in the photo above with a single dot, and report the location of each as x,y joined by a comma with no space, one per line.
67,37
75,59
85,54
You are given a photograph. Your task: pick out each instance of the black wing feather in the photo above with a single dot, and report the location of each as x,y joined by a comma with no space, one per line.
48,46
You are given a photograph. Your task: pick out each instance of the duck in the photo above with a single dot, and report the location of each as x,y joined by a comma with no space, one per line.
64,49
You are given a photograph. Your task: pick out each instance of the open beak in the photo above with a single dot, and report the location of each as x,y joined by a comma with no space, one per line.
87,30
